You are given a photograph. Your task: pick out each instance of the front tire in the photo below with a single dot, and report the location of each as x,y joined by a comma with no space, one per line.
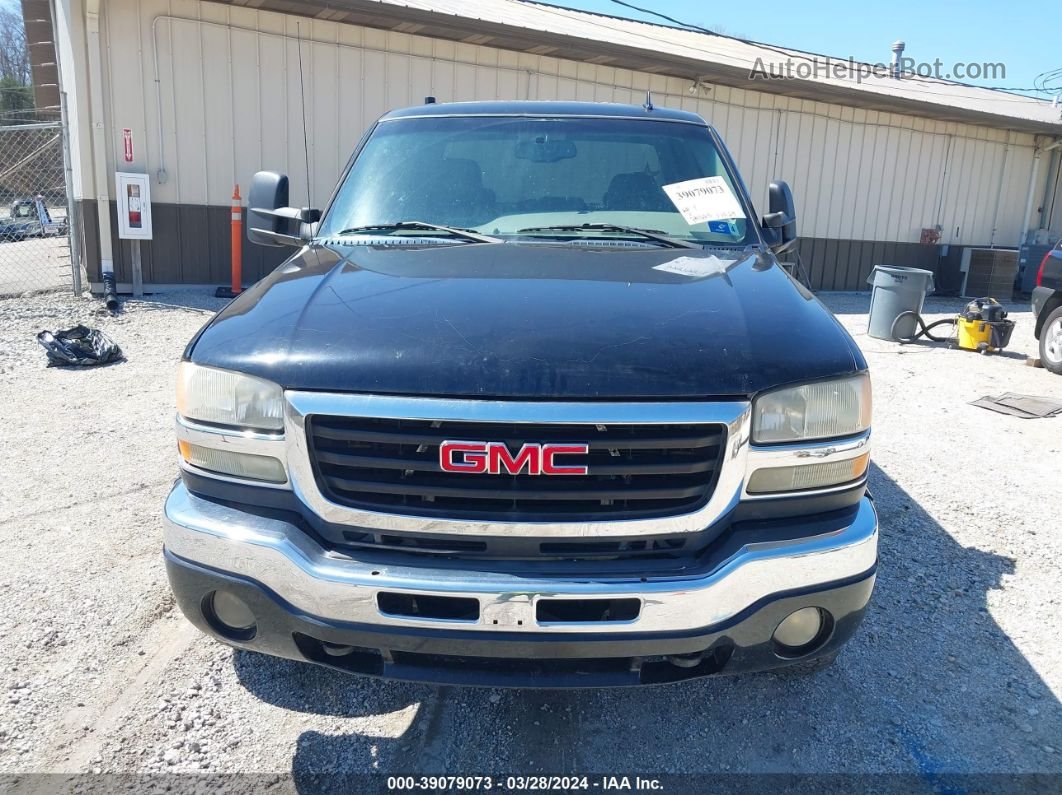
1051,342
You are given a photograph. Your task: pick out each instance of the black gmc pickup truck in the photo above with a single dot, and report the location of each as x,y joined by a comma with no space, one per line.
533,404
1047,309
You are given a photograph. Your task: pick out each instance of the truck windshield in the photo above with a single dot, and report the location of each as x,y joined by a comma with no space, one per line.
558,179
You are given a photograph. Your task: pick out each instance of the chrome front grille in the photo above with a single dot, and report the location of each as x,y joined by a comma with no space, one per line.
396,518
635,470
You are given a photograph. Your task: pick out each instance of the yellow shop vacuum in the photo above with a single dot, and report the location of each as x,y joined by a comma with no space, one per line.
982,326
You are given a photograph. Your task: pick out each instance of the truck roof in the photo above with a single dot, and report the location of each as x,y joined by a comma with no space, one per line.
529,108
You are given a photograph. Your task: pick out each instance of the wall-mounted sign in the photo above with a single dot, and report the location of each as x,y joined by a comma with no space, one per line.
134,206
127,144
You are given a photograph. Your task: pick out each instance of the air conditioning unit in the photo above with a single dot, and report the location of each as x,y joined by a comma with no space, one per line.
989,272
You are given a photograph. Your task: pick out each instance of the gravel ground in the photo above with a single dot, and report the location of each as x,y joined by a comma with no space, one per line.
956,669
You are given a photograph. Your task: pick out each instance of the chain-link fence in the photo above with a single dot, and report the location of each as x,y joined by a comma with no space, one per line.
34,228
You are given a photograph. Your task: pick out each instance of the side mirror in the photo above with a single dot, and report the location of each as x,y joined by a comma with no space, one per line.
271,222
780,222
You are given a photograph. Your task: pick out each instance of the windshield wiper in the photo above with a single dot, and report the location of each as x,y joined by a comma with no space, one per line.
464,234
648,234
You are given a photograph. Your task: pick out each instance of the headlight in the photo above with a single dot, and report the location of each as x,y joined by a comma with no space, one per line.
821,410
223,397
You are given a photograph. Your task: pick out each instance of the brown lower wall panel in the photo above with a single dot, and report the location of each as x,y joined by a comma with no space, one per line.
847,264
191,246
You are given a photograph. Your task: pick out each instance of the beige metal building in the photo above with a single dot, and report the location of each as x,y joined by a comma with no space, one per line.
211,92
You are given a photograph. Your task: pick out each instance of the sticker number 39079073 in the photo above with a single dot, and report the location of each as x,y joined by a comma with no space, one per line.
704,199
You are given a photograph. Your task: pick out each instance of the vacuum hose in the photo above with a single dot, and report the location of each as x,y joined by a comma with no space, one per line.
925,330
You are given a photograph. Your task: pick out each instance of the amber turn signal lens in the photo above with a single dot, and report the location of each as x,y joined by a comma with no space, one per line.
807,476
239,465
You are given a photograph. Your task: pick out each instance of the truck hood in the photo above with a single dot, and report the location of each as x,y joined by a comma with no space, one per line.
535,320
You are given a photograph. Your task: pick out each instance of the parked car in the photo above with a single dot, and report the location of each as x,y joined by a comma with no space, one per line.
533,404
1047,309
30,218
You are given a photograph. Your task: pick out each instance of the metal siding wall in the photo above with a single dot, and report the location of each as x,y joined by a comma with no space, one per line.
232,103
1012,199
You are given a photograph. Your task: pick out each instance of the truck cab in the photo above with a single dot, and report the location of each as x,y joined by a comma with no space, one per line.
532,403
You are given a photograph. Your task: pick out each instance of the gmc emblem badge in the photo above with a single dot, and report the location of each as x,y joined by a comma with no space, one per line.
494,458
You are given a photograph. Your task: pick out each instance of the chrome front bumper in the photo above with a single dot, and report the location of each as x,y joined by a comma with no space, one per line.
331,587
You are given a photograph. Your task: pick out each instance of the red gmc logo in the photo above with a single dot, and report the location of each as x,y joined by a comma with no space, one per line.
494,458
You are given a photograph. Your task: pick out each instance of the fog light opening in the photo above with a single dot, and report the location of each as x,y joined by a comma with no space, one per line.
229,616
802,632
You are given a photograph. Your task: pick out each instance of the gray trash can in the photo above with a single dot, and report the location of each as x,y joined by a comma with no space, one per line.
895,290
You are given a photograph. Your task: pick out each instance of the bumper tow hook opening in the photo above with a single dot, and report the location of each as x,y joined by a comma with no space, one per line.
354,659
686,660
336,649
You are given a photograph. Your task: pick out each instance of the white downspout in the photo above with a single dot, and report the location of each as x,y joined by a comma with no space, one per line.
999,193
102,178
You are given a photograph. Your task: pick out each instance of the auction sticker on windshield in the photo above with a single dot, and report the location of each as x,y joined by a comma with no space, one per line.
704,199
